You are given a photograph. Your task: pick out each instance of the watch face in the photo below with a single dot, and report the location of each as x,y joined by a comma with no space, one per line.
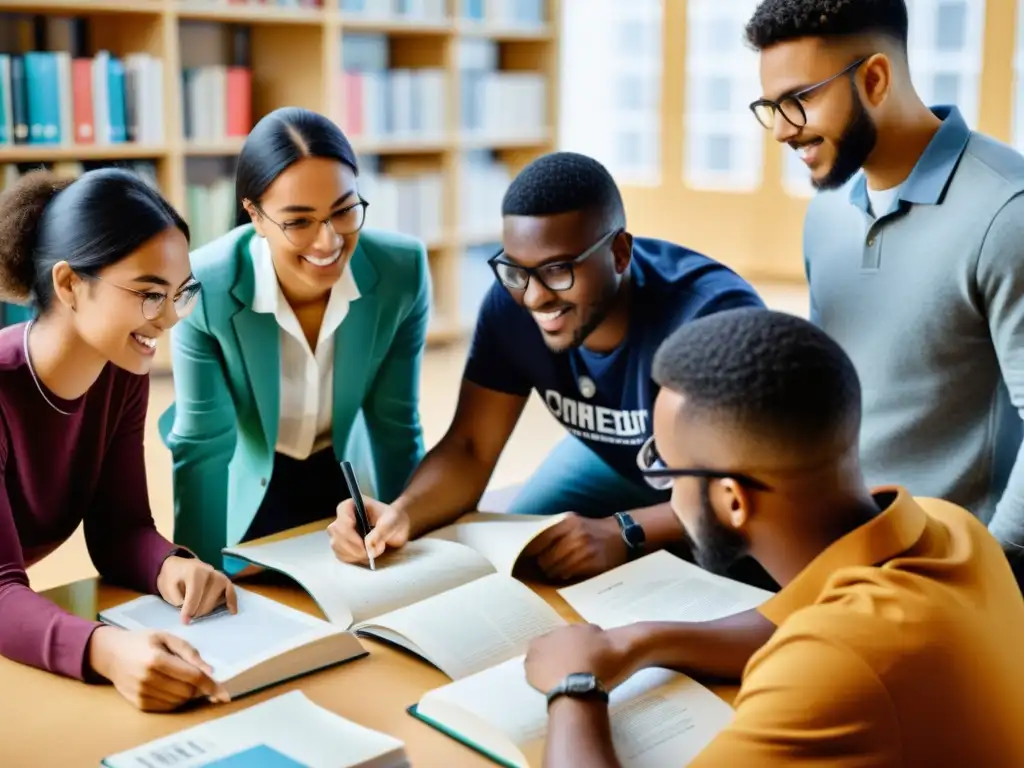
580,682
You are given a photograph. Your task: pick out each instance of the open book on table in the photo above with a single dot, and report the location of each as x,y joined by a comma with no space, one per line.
448,597
265,643
288,731
659,587
658,717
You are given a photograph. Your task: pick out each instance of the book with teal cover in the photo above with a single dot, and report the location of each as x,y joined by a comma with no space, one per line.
414,711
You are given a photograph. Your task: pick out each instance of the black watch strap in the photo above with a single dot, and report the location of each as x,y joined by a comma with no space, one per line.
632,534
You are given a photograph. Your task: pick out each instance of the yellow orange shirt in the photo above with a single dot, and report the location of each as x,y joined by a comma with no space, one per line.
902,644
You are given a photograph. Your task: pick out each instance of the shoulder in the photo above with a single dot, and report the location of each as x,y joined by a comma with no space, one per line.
992,165
687,282
400,260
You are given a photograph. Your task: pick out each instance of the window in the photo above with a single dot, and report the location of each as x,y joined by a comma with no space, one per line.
724,145
611,60
945,47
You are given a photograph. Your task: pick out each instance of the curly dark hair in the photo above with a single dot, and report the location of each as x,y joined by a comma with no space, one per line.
778,21
775,376
561,182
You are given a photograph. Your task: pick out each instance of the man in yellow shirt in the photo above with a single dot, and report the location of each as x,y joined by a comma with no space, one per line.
896,636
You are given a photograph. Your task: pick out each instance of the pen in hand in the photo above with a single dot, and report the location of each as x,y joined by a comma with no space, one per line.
362,521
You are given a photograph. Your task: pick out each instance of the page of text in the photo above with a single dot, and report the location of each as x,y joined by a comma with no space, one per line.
660,587
499,537
285,730
349,594
475,626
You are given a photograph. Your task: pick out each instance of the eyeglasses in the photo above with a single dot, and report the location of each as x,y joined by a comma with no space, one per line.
660,476
302,231
153,301
555,275
791,106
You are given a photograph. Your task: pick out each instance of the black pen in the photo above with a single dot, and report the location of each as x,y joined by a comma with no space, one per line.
362,521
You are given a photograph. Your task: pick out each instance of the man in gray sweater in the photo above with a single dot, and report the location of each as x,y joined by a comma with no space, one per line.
913,250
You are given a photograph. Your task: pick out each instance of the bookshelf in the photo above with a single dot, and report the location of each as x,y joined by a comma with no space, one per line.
444,101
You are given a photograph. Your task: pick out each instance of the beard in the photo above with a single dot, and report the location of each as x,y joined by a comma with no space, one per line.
715,547
853,148
592,315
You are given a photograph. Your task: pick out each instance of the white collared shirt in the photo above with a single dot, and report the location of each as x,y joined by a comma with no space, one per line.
307,376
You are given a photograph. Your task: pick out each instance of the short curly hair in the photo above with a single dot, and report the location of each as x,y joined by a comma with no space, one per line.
779,21
561,182
773,376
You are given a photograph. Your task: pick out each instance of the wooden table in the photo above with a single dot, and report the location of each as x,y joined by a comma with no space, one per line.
46,720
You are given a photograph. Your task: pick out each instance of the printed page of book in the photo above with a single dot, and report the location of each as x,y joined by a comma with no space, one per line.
658,717
660,587
230,643
288,730
469,628
499,537
348,594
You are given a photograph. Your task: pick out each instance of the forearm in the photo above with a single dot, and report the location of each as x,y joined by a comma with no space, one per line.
129,552
35,632
448,483
719,649
579,733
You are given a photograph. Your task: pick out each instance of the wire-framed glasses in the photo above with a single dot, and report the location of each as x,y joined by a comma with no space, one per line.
791,105
153,302
301,231
660,476
555,275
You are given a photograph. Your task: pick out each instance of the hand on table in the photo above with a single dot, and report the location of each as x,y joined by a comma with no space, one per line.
390,530
578,547
577,648
155,671
195,587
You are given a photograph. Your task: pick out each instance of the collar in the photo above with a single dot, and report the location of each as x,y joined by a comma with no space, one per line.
928,181
893,531
268,298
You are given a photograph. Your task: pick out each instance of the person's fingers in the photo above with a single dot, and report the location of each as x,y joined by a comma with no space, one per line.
151,703
571,565
184,662
559,550
196,581
545,539
213,596
170,690
388,531
230,596
347,545
346,512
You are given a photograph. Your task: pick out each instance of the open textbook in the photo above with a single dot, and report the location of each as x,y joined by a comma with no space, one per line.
658,717
288,731
659,587
263,644
448,597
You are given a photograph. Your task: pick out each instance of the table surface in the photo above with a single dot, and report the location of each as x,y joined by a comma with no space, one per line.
49,720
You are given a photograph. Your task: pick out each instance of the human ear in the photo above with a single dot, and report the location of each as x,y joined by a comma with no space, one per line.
254,217
622,251
65,284
732,503
876,79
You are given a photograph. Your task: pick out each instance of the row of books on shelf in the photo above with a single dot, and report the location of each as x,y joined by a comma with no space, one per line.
11,172
49,98
529,13
379,101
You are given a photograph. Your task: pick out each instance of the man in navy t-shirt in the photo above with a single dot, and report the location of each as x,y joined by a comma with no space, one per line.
576,314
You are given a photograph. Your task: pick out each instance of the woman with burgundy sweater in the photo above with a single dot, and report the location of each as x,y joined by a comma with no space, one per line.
104,260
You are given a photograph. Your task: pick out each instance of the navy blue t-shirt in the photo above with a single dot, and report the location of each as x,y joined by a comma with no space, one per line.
605,400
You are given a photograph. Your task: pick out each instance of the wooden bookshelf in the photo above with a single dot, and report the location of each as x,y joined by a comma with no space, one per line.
296,57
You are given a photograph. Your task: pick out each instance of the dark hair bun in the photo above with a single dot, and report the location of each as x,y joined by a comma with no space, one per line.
21,211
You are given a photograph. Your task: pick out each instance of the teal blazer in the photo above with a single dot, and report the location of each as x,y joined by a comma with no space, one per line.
222,427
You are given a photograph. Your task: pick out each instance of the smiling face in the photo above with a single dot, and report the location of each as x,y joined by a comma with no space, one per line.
125,310
309,255
840,130
566,317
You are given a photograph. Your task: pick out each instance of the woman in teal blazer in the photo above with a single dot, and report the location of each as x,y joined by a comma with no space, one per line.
304,348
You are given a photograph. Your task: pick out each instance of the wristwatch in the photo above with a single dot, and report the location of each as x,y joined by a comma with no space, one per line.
632,534
579,685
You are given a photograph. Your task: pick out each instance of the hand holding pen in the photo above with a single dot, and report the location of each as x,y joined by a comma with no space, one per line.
364,530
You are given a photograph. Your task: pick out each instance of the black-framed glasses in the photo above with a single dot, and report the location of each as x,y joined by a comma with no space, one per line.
660,476
302,231
555,275
153,301
791,106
